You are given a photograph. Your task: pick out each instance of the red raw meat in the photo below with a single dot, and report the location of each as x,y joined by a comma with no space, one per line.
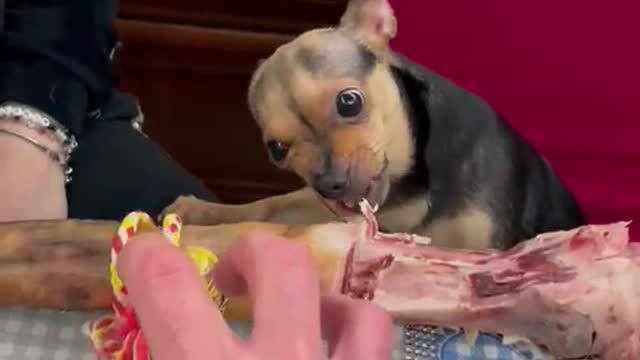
573,292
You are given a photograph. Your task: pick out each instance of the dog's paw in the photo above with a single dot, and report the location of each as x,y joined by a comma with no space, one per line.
194,211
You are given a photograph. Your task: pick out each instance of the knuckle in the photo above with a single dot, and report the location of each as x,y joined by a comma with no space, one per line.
148,263
366,312
280,253
284,251
164,266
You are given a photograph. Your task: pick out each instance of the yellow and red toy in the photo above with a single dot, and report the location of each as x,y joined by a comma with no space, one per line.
118,336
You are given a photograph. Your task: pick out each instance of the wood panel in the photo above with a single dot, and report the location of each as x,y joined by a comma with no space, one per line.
190,63
192,83
289,16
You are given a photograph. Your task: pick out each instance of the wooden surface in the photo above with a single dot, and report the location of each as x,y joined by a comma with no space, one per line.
190,63
290,16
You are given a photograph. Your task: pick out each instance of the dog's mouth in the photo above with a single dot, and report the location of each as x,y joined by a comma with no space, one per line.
375,193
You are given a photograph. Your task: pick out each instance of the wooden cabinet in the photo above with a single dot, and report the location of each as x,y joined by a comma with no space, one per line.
290,16
190,63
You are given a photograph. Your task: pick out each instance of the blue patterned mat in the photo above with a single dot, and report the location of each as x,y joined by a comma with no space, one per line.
431,343
52,335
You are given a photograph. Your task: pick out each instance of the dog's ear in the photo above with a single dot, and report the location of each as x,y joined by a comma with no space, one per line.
371,22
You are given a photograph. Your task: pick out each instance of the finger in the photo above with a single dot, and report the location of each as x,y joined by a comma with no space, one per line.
356,329
176,315
279,277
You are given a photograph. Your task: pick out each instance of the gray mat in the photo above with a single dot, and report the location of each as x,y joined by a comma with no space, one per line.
52,335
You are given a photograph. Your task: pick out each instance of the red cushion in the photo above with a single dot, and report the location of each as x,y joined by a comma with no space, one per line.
563,73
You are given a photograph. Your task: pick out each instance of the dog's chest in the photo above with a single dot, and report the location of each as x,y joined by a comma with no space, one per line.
470,228
407,216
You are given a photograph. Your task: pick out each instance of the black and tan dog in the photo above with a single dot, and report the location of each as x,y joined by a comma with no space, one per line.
355,120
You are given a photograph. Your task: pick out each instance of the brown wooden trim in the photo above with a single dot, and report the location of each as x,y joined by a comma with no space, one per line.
191,78
239,191
192,48
284,16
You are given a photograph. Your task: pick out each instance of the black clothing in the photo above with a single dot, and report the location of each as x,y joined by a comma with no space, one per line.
57,56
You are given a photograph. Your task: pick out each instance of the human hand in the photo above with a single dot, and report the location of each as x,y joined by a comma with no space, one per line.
290,317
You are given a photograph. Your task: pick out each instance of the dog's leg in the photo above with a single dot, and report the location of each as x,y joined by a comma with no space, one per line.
470,229
295,208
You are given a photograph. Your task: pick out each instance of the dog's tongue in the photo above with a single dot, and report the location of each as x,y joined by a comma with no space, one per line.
369,194
351,204
352,201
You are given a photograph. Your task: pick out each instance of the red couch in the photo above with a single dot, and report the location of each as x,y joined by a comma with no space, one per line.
563,73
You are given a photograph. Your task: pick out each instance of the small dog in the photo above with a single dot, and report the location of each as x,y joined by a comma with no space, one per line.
356,120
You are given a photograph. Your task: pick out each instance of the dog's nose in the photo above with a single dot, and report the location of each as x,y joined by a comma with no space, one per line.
332,185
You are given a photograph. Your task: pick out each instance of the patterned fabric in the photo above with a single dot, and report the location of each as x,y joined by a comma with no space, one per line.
431,343
51,335
43,335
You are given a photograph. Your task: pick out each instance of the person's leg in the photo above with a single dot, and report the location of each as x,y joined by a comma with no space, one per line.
117,169
31,184
54,63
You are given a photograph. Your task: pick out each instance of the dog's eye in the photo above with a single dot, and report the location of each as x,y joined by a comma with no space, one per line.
277,151
349,103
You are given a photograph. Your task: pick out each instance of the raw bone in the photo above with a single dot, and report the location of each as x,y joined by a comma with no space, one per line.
556,290
574,292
